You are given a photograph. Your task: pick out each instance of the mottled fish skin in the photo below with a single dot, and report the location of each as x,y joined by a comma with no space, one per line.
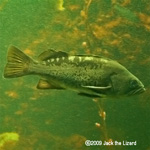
74,72
87,74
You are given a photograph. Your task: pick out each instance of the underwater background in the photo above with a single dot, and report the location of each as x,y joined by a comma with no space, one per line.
32,119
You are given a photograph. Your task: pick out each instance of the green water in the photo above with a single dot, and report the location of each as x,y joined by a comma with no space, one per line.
63,120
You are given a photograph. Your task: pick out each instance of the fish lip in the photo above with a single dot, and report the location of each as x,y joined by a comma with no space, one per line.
137,91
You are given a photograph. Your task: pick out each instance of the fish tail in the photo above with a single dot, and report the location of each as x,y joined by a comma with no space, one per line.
17,63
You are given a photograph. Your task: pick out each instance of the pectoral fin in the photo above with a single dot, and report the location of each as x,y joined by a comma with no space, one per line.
44,84
98,88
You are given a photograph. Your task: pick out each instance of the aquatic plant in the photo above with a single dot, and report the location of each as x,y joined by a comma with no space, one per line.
8,139
60,6
126,13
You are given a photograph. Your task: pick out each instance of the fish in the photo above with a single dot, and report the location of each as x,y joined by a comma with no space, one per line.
88,75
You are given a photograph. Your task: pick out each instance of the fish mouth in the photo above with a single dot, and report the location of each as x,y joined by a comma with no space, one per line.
137,91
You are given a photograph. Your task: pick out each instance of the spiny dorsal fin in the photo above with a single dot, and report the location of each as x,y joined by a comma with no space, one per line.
44,84
51,54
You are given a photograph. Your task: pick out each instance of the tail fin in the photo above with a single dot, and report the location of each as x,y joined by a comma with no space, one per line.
18,63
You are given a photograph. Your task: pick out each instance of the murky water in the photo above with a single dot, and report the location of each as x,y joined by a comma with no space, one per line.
32,119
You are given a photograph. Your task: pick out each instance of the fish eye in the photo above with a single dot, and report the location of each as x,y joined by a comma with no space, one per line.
133,83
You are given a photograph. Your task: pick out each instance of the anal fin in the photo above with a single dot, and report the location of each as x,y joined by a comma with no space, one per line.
44,84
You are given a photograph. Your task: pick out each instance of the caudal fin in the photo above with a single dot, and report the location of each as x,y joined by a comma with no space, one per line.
18,63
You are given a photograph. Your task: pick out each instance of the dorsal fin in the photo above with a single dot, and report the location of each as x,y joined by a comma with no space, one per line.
51,54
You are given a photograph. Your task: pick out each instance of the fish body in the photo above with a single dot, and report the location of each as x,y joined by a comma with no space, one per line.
87,74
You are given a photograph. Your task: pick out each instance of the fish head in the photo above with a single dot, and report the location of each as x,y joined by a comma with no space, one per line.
125,83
